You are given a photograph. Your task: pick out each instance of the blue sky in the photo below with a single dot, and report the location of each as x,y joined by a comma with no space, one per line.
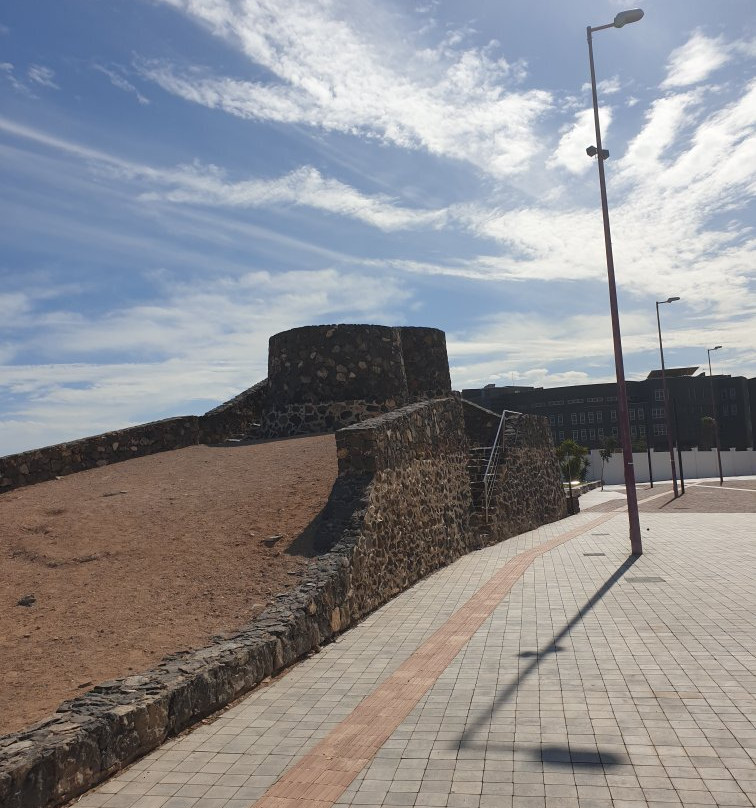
183,178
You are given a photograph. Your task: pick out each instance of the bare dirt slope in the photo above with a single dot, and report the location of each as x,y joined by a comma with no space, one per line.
133,561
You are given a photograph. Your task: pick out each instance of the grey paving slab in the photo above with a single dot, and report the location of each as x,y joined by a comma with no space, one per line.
592,683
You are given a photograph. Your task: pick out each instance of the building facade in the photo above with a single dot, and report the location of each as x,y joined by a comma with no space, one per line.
588,413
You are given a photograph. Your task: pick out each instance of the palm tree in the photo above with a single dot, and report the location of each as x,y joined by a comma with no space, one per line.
573,461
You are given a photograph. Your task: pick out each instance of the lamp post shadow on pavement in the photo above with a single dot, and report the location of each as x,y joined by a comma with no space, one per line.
620,20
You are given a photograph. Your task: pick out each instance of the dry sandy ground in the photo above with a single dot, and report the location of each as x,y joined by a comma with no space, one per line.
140,559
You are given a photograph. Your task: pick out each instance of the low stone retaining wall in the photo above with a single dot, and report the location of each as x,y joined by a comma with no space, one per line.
50,462
234,417
400,491
399,509
238,417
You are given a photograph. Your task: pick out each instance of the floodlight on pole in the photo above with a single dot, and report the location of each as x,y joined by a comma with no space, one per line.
621,19
666,396
714,415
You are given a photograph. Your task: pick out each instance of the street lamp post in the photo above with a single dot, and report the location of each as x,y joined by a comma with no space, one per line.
714,414
666,395
623,18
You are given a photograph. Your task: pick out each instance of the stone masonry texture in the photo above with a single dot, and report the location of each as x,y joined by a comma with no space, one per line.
401,508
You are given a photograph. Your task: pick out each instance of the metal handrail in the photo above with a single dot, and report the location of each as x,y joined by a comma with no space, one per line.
489,476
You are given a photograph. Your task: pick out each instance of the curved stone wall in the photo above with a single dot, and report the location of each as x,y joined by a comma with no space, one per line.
325,363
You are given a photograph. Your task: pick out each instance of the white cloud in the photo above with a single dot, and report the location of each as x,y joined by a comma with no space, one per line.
117,79
206,185
346,76
570,153
605,86
695,61
43,76
201,341
8,70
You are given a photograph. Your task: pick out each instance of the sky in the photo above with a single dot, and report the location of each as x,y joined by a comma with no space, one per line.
181,179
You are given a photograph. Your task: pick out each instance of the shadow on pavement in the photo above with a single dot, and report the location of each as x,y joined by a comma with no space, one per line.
551,647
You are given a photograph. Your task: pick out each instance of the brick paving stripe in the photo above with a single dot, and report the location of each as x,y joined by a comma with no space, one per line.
321,776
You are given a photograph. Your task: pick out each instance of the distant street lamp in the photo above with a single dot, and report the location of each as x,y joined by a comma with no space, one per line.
623,18
714,414
666,395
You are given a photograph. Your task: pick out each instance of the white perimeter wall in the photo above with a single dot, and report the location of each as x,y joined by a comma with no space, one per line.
695,464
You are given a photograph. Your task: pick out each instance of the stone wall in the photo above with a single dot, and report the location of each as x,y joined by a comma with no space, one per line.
238,417
529,490
480,424
309,418
49,462
399,509
325,377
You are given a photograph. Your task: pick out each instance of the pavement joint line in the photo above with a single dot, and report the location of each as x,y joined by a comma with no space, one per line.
352,744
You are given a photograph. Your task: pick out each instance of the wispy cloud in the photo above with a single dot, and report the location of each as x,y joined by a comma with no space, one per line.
696,60
197,184
198,342
117,79
39,74
306,186
333,74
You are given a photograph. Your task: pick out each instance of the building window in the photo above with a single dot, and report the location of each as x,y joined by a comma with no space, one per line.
574,400
641,414
560,419
611,398
561,434
725,409
632,415
573,417
556,403
592,434
594,400
575,434
614,415
614,431
733,393
657,412
733,409
642,430
659,394
660,429
582,417
598,416
583,434
590,417
552,420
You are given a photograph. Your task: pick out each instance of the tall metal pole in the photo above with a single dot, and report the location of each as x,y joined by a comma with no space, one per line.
624,421
714,415
679,452
666,406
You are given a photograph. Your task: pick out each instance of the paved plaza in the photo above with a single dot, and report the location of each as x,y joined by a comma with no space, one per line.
553,669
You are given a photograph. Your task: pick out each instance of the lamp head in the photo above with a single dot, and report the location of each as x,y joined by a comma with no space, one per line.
626,17
716,348
671,299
